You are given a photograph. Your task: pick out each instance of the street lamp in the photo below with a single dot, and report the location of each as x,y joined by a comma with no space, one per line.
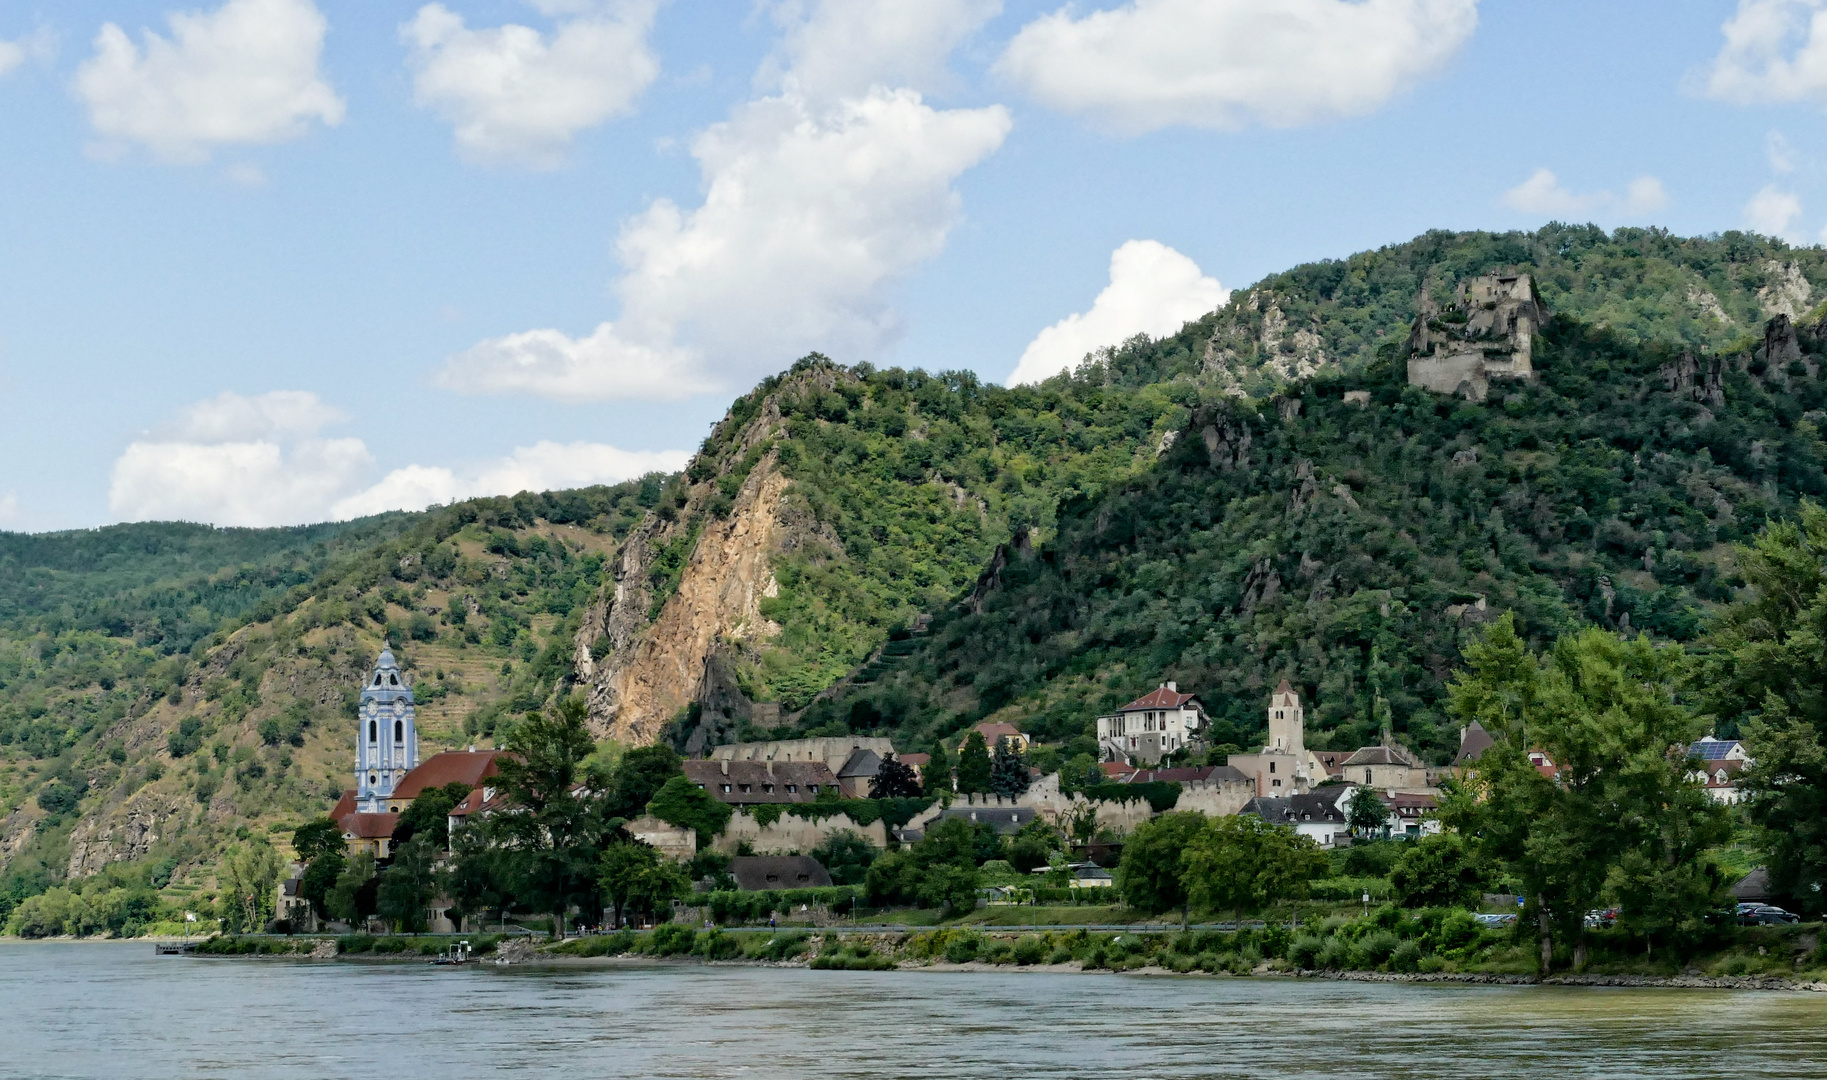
1366,903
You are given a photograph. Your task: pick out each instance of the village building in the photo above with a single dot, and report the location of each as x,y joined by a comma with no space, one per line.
994,732
756,873
1152,726
833,750
1318,815
762,783
1386,768
1718,763
1283,766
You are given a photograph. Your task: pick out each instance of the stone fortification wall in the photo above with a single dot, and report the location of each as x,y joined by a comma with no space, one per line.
789,835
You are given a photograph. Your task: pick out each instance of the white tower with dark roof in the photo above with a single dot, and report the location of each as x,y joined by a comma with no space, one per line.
386,744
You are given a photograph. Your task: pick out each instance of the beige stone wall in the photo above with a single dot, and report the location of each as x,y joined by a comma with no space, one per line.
790,835
674,841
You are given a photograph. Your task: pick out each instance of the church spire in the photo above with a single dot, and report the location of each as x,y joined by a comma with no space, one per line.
386,740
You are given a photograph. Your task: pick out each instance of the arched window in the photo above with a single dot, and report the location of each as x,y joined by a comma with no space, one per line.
399,731
373,732
377,678
393,680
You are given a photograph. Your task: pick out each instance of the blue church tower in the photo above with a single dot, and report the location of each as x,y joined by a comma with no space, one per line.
386,745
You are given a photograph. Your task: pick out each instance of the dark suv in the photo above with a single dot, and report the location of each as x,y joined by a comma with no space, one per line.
1764,914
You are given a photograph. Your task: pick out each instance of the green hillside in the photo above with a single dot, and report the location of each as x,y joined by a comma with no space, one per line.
1205,507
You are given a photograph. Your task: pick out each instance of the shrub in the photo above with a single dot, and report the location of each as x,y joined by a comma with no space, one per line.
782,947
962,949
672,939
1374,948
1030,950
999,952
1407,957
717,945
1335,954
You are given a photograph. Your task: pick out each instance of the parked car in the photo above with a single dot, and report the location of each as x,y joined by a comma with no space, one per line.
1764,915
1499,918
1597,919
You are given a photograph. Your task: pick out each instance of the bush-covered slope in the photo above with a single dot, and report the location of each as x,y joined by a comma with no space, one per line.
1348,547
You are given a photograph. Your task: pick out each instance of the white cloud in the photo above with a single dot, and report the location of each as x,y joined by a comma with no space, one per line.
1153,290
1774,51
245,174
544,466
834,49
1542,193
1231,63
1779,153
244,73
601,367
234,460
1772,211
40,45
813,208
515,95
263,460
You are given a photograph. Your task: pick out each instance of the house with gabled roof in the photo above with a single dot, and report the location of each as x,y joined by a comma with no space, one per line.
1152,726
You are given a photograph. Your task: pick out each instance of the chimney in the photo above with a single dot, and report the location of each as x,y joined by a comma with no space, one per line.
724,764
770,768
1174,686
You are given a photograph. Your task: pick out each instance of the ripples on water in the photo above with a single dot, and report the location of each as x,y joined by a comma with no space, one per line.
116,1011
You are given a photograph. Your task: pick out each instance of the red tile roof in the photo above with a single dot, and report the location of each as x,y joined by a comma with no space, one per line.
1162,698
451,766
1116,770
994,733
344,806
918,761
368,826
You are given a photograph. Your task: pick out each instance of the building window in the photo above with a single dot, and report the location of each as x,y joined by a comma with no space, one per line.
399,731
726,789
813,788
1366,776
1275,783
767,789
374,732
792,787
746,788
1271,766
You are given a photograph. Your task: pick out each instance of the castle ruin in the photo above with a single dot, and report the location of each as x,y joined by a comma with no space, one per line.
1484,334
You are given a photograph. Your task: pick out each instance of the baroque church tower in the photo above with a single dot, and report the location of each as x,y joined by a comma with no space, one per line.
386,744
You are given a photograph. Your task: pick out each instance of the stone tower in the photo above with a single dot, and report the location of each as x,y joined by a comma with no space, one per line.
1486,334
1287,724
386,744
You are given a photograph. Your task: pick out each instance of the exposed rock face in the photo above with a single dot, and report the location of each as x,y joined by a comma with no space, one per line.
127,833
651,671
1697,379
1787,291
1708,304
1260,338
1485,333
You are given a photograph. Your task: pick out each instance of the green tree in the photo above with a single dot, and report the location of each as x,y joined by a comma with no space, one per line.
248,875
683,803
1243,865
1766,678
1009,770
352,897
1436,871
894,780
639,776
318,879
1080,772
1151,875
315,838
940,870
635,878
407,886
1366,815
936,775
847,856
428,814
550,828
974,765
1620,811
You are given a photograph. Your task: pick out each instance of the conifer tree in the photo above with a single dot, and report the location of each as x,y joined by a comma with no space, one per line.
974,765
936,777
1009,771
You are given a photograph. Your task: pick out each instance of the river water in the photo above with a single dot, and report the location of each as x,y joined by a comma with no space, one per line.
119,1011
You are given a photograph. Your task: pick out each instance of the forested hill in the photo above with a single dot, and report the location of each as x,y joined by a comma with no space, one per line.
1351,547
1336,315
881,550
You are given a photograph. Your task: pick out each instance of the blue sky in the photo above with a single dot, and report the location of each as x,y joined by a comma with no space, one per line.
290,260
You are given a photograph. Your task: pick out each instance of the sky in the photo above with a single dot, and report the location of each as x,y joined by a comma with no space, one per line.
266,262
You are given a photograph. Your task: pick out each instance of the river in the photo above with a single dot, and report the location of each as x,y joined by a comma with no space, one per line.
118,1011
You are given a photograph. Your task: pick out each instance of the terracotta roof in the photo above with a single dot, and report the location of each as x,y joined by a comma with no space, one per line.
1162,698
758,778
1116,770
475,803
994,733
1379,755
758,872
1284,688
1332,760
918,761
344,806
1712,771
451,766
368,826
1184,776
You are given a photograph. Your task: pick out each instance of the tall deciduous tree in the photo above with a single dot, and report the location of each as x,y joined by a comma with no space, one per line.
549,828
1436,871
1619,813
318,837
406,888
974,765
353,894
1243,865
1151,875
635,877
1766,679
249,874
1366,815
